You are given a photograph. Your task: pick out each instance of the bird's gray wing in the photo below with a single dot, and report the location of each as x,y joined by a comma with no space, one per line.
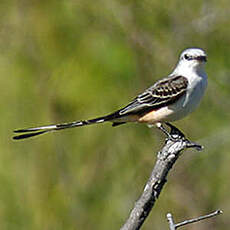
163,93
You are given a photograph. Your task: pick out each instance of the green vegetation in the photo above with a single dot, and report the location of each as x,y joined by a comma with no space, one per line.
68,60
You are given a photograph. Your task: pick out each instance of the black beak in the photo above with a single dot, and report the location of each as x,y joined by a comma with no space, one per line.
201,58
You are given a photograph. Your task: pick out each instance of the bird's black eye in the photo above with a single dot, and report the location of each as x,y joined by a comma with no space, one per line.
187,57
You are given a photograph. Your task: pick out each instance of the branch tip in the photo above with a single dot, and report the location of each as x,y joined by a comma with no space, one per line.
190,144
194,220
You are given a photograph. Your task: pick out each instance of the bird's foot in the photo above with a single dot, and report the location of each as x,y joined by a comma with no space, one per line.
174,134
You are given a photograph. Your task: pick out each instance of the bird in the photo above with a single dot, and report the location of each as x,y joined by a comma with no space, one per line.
169,99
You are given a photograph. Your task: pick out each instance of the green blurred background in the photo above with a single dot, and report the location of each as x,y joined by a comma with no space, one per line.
65,60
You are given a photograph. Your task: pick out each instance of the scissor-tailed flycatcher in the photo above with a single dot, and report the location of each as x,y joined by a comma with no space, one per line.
169,99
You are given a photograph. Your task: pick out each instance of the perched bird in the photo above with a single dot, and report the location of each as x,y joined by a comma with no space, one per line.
169,99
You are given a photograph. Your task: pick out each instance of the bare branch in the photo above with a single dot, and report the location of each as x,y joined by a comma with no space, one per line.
166,158
171,222
175,226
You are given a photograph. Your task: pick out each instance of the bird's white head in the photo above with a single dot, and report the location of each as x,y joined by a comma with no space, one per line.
193,59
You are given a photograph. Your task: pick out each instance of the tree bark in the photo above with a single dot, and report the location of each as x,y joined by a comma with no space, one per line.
166,158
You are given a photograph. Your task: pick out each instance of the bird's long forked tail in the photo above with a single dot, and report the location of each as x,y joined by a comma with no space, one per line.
31,132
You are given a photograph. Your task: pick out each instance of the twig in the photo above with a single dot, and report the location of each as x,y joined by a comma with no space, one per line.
171,222
166,158
175,226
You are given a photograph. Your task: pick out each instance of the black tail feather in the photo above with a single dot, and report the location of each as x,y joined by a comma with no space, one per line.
31,132
27,135
27,130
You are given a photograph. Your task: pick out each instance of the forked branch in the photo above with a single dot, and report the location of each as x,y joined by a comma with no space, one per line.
166,158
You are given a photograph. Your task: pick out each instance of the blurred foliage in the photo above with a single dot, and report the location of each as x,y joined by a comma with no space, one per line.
67,60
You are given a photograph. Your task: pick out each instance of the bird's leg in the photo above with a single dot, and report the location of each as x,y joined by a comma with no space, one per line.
174,134
163,129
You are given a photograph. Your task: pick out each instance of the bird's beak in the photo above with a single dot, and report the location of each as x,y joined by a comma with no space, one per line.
201,58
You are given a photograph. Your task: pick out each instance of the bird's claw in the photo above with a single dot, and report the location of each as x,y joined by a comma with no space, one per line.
174,134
